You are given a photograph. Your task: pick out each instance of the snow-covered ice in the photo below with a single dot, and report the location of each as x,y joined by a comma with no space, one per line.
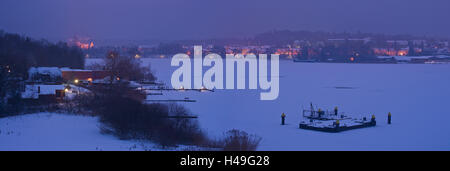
417,95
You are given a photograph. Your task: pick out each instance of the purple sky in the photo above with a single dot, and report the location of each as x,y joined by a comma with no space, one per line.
182,19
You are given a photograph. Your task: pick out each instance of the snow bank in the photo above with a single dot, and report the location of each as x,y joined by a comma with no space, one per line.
55,132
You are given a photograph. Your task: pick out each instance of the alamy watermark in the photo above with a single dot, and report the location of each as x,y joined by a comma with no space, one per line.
217,72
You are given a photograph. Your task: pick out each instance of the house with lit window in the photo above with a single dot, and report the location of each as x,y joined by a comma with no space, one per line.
52,84
44,75
86,76
60,75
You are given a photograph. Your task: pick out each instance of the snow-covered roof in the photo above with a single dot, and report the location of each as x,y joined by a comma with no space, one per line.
70,69
52,71
79,89
75,90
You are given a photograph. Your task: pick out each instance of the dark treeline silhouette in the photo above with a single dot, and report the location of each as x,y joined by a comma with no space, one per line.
282,37
19,53
169,48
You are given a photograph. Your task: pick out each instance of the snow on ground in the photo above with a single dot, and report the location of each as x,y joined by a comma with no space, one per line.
60,132
417,95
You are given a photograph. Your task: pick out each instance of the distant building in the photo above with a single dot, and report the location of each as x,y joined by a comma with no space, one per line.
397,43
58,75
83,75
45,93
390,51
41,93
81,42
44,74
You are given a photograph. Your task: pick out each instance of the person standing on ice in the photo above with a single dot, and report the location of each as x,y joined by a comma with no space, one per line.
389,117
283,116
373,121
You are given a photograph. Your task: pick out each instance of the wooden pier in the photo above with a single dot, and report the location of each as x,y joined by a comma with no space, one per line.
183,100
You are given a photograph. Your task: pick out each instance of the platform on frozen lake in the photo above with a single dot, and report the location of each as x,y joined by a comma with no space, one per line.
325,121
331,126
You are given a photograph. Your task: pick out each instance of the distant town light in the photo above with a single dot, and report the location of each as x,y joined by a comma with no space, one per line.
66,90
76,81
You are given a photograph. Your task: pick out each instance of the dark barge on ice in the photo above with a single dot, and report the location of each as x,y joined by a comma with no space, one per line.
332,122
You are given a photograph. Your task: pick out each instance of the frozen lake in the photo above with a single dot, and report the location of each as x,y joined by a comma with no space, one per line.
418,96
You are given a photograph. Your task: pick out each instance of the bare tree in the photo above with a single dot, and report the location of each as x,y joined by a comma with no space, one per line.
127,68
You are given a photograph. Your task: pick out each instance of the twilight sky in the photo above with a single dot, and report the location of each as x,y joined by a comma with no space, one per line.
183,19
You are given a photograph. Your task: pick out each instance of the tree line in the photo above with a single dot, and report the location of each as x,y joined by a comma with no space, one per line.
19,53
